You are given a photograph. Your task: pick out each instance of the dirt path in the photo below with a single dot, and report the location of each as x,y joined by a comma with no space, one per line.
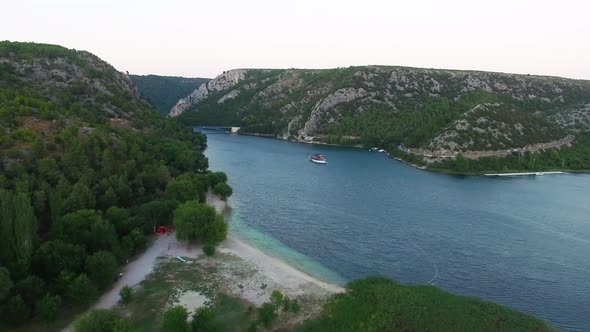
138,269
431,156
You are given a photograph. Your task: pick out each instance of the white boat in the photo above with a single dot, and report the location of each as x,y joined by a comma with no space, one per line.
318,159
381,150
539,173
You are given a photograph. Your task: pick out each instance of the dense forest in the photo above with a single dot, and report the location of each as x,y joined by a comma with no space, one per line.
164,91
88,171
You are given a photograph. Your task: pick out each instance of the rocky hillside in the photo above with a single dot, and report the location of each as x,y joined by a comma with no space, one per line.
164,91
434,110
220,83
78,81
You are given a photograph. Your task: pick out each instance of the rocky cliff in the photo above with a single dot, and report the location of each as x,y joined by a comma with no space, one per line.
220,83
423,108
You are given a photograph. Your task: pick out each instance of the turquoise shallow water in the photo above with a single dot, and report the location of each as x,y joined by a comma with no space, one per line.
271,245
523,241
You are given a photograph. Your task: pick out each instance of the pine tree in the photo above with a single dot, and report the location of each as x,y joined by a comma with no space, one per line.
25,229
6,227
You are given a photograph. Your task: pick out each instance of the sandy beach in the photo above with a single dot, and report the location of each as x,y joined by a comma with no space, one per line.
272,272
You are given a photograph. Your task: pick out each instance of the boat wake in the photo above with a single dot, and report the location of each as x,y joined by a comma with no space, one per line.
431,281
428,257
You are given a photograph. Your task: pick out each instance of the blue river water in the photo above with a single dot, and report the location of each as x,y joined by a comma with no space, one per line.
522,241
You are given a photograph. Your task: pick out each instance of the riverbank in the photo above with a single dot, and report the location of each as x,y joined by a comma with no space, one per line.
446,171
274,273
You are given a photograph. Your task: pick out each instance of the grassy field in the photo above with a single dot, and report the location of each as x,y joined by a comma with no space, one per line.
216,278
170,279
380,304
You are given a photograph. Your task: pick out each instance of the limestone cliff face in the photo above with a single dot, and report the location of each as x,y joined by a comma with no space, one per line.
423,108
221,82
320,112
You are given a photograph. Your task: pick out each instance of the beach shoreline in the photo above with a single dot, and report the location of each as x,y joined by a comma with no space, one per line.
286,277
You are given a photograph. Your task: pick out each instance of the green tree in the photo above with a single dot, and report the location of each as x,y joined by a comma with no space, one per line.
184,188
175,319
30,288
79,290
223,190
6,227
157,213
215,232
209,249
276,299
138,239
56,256
5,283
267,314
126,294
194,220
118,217
203,320
101,320
47,309
102,268
462,163
86,227
25,229
80,198
216,177
15,311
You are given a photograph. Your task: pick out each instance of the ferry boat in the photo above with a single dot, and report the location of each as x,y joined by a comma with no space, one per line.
318,159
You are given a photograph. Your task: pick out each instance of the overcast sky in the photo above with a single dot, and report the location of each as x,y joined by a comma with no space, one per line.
203,38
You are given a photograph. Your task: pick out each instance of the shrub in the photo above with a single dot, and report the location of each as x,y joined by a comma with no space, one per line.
47,309
175,319
101,320
102,268
203,320
223,190
126,294
209,249
267,314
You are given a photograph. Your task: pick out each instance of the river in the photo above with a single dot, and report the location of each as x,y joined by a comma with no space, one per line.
523,241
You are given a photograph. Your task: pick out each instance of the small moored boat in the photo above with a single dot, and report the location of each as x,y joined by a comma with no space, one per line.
318,159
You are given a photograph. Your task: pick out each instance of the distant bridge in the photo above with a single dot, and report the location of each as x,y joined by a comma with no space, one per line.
216,129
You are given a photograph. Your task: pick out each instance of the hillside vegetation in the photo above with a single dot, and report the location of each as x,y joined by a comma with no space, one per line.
379,304
87,170
164,91
437,114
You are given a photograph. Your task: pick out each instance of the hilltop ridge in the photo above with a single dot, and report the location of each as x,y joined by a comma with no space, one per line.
164,91
440,113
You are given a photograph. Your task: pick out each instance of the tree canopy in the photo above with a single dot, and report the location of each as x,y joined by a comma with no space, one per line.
198,221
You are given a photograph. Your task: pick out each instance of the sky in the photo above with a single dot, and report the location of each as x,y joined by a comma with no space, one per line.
196,38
